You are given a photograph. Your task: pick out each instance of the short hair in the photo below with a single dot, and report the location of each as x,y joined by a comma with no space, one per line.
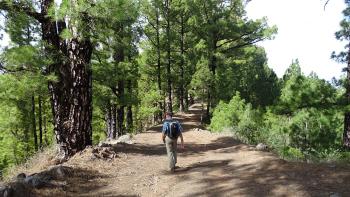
168,114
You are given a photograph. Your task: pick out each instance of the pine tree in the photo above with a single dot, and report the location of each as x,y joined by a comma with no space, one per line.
223,27
344,57
65,32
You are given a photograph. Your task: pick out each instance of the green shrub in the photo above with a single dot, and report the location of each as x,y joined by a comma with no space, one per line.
275,130
313,130
307,133
291,153
239,117
227,115
250,125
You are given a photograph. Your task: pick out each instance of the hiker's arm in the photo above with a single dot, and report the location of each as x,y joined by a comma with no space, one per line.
163,133
182,141
163,137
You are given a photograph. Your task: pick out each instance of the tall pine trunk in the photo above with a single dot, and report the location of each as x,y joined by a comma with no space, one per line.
119,57
35,137
129,119
159,79
212,68
108,118
182,72
40,122
120,110
186,99
169,103
129,114
111,121
346,134
45,123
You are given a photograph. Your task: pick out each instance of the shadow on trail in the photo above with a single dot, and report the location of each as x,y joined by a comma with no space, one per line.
191,149
272,177
78,182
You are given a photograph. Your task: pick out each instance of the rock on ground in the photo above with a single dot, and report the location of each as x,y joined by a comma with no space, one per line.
261,147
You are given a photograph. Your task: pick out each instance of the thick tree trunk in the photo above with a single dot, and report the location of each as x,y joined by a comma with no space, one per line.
72,97
71,94
40,122
35,137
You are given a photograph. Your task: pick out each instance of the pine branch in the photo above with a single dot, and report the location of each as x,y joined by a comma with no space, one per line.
21,7
244,44
326,4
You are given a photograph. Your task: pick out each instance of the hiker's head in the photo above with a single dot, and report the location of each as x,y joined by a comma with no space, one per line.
168,115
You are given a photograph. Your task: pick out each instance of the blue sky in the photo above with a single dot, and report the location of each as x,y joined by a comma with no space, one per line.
305,31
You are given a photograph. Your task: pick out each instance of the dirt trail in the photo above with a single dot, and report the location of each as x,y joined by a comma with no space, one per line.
211,165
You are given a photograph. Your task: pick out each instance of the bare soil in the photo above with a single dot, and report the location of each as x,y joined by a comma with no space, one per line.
210,165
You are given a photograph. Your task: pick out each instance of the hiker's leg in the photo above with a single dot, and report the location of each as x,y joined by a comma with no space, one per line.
170,150
175,151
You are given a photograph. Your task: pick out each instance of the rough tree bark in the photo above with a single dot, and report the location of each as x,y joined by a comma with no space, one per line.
71,95
111,121
71,99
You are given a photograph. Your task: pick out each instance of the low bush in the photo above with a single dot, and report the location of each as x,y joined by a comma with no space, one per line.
307,134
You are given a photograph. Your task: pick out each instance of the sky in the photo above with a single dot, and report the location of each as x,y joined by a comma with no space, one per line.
305,32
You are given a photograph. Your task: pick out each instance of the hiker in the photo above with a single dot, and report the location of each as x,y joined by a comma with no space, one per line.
170,133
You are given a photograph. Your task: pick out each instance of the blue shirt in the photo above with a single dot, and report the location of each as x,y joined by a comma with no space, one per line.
166,123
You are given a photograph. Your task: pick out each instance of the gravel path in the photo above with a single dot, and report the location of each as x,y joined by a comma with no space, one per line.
210,165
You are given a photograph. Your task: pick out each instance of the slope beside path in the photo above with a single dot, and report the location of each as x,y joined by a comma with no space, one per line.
210,165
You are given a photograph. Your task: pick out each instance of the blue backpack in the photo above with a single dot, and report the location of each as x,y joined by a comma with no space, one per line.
173,130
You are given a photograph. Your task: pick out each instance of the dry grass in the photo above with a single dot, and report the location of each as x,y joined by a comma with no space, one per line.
37,163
